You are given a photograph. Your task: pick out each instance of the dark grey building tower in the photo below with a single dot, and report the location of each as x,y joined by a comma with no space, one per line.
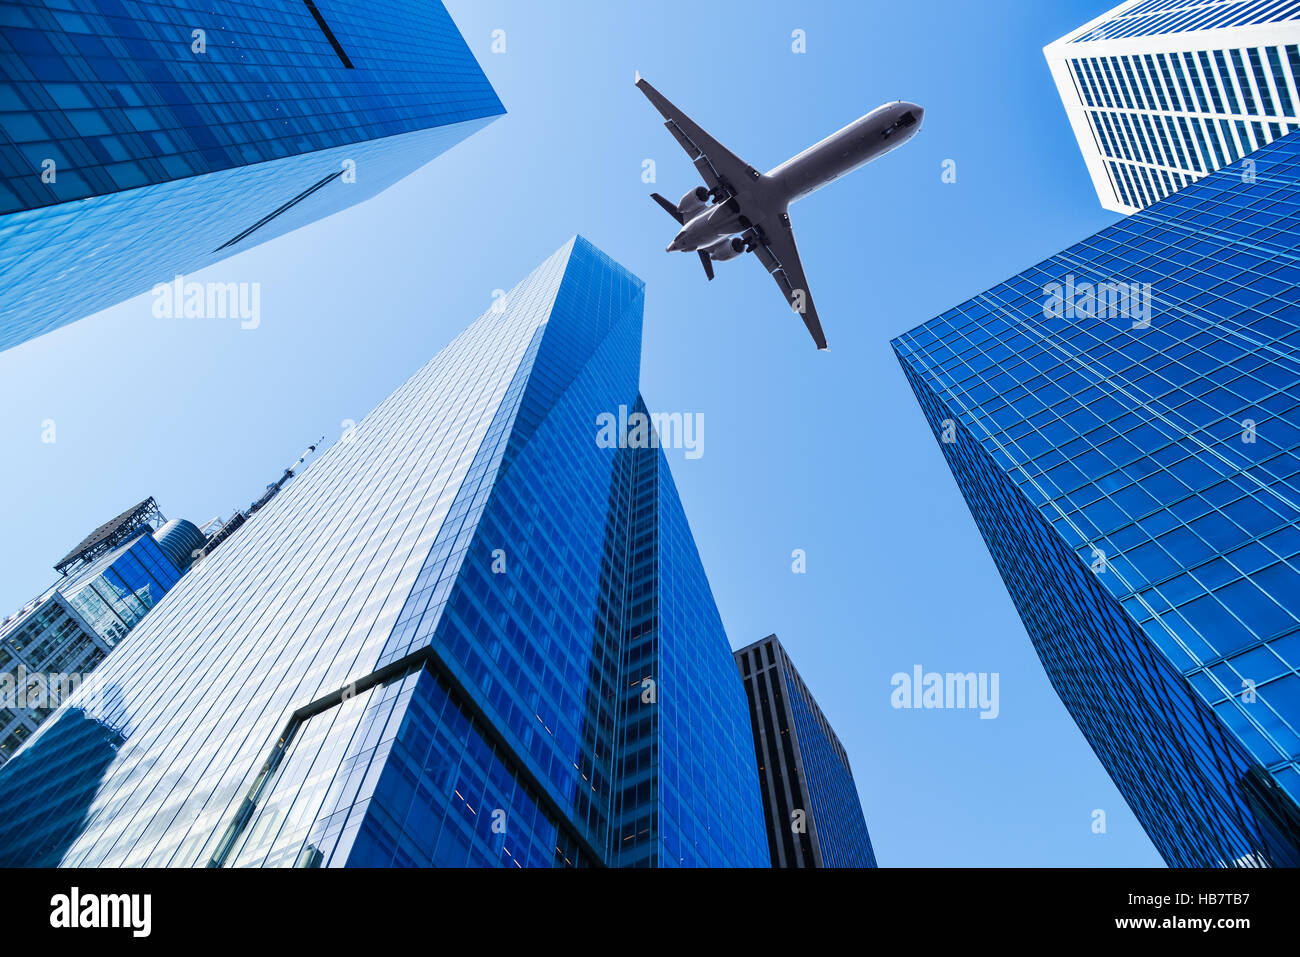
814,817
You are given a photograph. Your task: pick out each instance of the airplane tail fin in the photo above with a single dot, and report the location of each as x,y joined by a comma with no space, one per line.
669,208
708,263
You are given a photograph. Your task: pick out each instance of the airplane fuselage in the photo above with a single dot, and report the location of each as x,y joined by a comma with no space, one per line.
883,129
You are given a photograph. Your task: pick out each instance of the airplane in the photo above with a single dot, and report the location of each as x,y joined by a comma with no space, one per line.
748,211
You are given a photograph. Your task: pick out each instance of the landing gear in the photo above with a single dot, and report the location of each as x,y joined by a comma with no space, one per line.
753,238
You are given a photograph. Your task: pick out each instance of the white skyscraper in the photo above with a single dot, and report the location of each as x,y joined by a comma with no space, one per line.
1161,93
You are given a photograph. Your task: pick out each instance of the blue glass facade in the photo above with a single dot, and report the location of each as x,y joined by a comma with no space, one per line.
814,817
1124,422
470,634
69,629
115,591
842,837
132,150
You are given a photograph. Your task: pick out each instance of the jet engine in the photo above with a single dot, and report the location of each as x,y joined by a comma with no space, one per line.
725,249
692,202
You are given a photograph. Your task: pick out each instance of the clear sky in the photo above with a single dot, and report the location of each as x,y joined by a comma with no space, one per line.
825,452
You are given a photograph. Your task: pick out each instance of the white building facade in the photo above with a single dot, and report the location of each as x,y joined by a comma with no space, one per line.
1161,93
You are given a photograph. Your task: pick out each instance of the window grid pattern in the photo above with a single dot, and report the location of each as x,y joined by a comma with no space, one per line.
173,157
1159,17
116,94
71,627
1167,456
704,735
119,588
802,767
1165,120
384,555
48,638
300,603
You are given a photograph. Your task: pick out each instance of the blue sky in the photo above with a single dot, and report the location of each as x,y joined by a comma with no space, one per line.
825,452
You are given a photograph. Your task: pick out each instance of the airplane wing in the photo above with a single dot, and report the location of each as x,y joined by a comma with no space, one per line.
776,250
720,168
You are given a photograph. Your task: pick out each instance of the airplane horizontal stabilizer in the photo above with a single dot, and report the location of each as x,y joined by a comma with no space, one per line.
670,208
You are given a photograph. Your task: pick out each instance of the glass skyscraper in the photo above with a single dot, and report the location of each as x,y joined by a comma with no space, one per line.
1124,421
140,141
113,593
814,817
54,641
470,633
1160,93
